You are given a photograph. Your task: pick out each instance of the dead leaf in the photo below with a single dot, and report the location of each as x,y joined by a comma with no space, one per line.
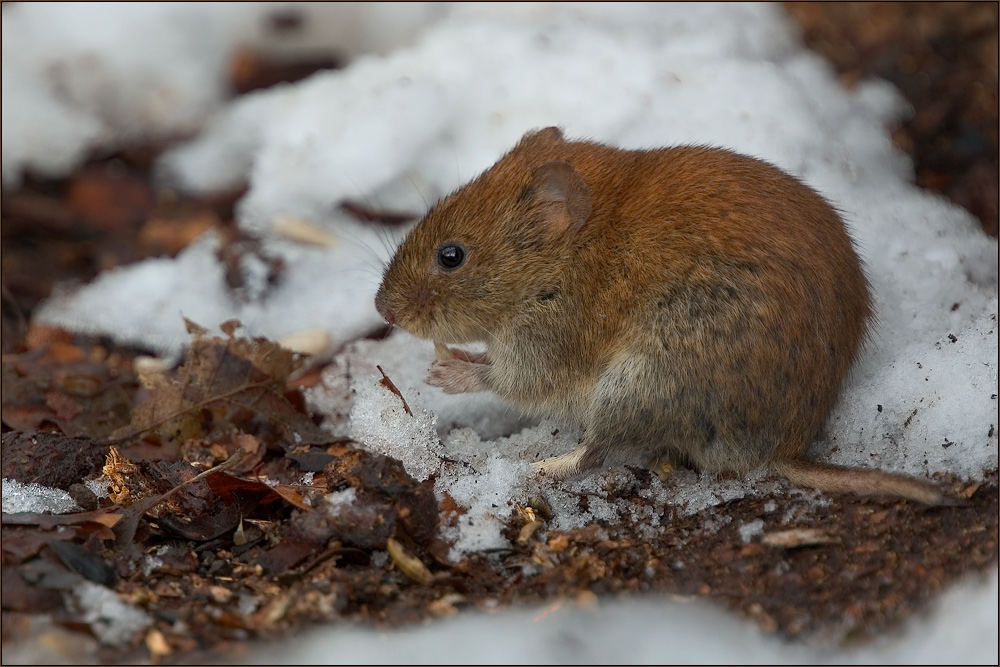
168,235
107,517
223,383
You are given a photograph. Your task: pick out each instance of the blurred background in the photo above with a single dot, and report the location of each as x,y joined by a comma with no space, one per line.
106,211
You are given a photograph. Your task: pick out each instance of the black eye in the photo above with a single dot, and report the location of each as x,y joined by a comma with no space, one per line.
450,256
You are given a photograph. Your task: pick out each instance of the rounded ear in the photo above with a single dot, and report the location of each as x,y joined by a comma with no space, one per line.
548,135
559,191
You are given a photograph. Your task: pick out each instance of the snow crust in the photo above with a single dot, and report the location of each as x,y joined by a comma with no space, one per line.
112,620
19,497
434,95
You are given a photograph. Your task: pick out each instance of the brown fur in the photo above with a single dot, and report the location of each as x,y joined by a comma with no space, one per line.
687,304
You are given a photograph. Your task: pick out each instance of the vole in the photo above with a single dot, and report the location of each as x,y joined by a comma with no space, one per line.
687,305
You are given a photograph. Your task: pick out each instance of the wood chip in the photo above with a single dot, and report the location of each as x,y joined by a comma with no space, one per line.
969,490
220,593
527,530
796,537
445,605
313,342
296,229
157,643
407,564
239,537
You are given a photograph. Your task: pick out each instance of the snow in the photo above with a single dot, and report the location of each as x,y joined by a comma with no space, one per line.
646,630
341,499
382,423
433,95
88,76
750,530
19,497
112,620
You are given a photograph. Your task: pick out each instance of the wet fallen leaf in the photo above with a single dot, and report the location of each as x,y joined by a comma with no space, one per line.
86,563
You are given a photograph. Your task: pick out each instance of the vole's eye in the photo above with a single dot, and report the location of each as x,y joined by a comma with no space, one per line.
450,256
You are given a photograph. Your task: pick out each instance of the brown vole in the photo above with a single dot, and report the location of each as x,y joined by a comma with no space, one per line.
688,305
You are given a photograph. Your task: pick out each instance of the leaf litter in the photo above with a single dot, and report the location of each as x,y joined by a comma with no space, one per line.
231,516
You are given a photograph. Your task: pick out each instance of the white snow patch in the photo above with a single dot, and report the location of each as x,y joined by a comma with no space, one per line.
18,497
751,529
380,422
150,564
112,620
99,76
958,629
341,499
99,487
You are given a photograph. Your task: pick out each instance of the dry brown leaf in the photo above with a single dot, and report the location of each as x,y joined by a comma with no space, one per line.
223,383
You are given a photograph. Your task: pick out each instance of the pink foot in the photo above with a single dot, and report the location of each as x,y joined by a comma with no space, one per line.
457,376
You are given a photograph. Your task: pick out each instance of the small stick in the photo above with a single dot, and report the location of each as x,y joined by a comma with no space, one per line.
387,383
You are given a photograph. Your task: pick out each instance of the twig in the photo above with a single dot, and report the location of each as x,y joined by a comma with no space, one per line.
387,383
125,529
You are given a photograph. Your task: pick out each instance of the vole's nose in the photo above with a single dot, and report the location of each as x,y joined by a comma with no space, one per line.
383,309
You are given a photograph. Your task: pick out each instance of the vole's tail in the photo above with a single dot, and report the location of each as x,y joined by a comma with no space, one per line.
859,480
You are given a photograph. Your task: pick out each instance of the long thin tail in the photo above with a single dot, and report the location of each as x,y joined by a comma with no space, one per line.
859,480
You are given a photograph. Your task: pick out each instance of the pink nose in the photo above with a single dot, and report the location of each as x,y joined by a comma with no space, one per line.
382,308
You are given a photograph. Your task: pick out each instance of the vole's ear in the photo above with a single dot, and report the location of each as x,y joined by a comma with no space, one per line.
560,195
550,135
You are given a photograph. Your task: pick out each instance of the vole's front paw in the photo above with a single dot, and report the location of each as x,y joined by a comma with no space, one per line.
457,376
444,353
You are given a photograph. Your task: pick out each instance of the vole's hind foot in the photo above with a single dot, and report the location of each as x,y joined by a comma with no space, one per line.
562,466
456,376
663,469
